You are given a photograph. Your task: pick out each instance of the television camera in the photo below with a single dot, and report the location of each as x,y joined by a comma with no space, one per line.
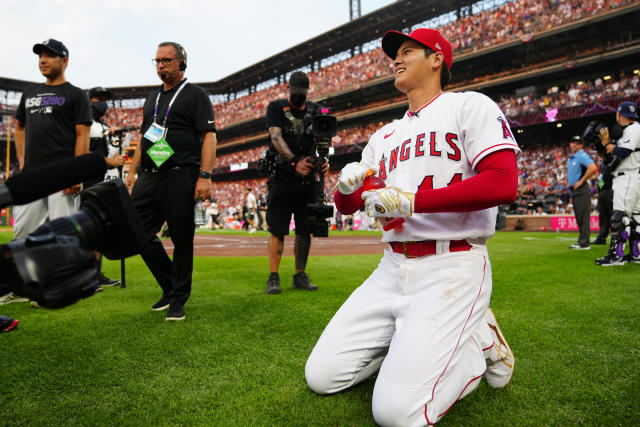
55,265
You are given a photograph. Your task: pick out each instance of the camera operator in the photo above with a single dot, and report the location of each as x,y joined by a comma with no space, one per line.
625,219
580,168
100,142
292,187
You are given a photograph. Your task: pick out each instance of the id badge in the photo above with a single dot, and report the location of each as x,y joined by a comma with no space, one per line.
160,152
154,133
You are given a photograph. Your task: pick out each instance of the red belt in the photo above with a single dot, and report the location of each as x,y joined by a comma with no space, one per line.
426,247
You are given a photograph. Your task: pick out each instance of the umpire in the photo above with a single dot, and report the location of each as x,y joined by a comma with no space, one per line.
176,156
580,168
292,187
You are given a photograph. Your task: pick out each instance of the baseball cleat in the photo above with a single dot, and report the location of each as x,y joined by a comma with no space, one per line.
499,357
8,324
631,258
609,260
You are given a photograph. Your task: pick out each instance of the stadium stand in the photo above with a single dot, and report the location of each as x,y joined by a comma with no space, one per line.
551,65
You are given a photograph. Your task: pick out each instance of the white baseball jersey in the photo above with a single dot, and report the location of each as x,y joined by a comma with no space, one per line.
439,145
626,187
100,130
630,140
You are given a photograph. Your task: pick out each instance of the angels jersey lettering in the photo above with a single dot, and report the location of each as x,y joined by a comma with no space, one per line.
440,145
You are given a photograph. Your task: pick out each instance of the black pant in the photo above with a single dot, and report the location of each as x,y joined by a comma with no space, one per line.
582,210
168,196
605,209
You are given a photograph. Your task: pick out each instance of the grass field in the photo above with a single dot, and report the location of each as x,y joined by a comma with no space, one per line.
238,358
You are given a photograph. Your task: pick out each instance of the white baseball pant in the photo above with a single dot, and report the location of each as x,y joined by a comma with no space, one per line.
421,323
27,218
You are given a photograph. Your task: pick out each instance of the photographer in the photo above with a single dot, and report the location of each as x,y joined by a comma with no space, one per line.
100,142
292,186
580,168
625,219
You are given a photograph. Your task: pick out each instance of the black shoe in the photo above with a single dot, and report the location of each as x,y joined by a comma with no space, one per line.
273,284
577,246
8,324
301,281
176,312
599,242
105,281
161,305
609,260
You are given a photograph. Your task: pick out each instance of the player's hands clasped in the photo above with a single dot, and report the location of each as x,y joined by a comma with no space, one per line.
388,202
351,178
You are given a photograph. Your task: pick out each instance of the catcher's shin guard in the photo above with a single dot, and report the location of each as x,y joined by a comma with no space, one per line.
634,236
620,231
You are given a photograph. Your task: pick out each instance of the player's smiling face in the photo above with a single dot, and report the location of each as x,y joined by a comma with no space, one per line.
411,66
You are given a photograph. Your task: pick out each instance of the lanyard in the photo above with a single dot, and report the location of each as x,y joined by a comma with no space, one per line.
166,114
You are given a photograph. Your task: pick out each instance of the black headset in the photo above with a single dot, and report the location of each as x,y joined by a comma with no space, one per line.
182,53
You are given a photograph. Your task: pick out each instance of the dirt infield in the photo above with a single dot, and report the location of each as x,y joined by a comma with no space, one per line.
240,245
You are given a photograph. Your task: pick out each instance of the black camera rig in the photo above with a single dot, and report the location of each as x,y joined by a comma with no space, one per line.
323,128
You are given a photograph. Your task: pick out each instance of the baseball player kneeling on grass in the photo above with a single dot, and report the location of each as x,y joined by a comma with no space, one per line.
422,319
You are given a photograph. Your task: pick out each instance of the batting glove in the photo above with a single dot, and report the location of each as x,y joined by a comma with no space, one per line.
351,178
388,202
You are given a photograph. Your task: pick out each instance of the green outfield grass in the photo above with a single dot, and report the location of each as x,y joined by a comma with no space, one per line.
238,358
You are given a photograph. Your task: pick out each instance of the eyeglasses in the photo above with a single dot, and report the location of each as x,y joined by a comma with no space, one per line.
165,61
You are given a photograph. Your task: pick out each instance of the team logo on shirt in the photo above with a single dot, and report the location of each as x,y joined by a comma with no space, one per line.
43,103
506,132
419,146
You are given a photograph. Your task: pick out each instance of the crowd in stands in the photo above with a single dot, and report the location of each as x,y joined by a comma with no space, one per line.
543,185
577,93
514,20
543,169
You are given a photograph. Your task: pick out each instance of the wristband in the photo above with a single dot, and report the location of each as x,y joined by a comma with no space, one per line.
204,174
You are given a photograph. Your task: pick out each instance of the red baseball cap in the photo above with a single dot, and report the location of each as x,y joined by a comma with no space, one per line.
432,39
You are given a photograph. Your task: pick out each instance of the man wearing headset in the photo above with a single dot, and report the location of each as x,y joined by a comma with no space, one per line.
175,155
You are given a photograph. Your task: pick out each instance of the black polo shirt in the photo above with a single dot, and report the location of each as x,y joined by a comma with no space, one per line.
191,114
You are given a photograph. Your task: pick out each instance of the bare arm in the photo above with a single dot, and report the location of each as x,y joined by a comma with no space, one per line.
279,143
82,139
19,139
207,157
133,166
591,171
301,165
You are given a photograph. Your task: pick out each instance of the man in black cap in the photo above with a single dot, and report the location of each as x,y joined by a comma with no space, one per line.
52,123
292,187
